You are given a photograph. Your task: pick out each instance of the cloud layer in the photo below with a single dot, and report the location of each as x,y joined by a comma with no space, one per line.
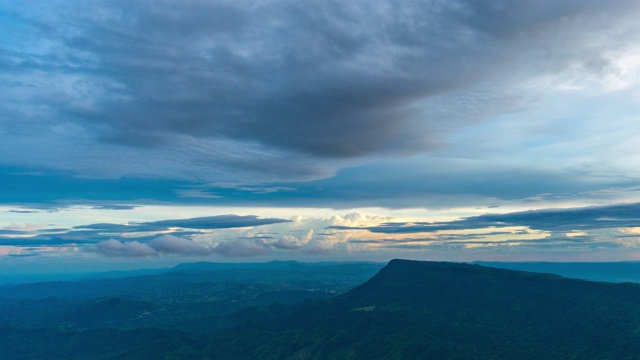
200,223
162,245
474,110
567,220
228,90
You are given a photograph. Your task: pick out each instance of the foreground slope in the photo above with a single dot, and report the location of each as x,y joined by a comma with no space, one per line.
452,311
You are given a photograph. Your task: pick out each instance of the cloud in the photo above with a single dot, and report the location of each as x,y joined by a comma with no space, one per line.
242,248
440,183
162,245
173,245
291,242
288,242
199,223
197,193
170,244
283,90
317,249
115,248
558,220
237,236
450,238
50,241
114,207
217,222
12,232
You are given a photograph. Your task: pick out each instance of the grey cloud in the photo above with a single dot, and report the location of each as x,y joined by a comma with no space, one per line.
115,248
218,222
44,241
561,220
288,243
262,190
433,183
321,79
12,232
203,223
108,236
176,245
556,242
627,236
162,245
114,207
319,250
52,230
586,218
53,237
103,227
242,247
451,238
255,237
31,254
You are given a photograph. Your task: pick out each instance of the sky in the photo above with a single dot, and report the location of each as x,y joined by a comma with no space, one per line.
143,133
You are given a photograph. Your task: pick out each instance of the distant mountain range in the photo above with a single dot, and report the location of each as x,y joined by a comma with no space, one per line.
408,310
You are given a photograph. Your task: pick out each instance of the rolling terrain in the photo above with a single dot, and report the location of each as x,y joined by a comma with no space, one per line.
408,310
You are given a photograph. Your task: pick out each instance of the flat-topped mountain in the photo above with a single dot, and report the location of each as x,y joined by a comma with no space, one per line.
432,310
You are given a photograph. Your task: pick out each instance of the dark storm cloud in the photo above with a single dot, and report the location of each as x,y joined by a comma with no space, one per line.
263,103
325,78
555,220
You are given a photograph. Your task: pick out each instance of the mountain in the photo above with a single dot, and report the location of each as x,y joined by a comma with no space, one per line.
408,310
429,310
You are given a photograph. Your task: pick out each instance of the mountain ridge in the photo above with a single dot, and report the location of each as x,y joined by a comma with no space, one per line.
407,310
413,309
